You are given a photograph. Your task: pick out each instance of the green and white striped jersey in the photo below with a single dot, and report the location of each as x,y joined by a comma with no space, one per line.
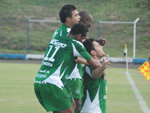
77,70
94,100
59,59
63,30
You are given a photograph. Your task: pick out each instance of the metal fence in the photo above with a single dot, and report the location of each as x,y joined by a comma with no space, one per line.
135,35
32,36
134,30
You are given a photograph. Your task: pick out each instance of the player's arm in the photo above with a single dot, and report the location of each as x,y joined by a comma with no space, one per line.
94,64
98,72
83,53
82,61
78,105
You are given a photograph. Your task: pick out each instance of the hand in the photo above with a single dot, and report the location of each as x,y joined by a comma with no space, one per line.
99,72
106,62
101,41
97,62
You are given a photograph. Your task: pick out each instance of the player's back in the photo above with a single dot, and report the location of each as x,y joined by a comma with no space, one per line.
53,65
54,57
63,30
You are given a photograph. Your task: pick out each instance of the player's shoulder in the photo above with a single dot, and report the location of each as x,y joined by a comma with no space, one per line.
64,28
60,30
58,39
78,43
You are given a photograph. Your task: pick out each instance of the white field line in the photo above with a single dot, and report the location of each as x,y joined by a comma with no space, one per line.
140,99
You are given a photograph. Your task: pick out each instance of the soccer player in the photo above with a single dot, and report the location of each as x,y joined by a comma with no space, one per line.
75,79
94,100
69,16
60,54
86,19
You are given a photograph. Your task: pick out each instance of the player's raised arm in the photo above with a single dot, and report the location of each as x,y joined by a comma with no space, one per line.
98,72
93,63
82,61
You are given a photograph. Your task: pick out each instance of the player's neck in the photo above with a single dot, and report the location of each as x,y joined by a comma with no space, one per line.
68,24
72,36
96,58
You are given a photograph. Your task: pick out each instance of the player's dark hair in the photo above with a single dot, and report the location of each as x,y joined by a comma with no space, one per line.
66,11
84,15
79,29
88,44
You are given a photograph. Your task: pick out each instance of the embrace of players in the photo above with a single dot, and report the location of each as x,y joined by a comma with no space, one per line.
71,78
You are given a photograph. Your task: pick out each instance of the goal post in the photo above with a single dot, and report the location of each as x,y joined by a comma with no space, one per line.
123,22
96,31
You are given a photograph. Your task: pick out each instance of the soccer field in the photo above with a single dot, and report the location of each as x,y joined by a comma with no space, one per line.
17,95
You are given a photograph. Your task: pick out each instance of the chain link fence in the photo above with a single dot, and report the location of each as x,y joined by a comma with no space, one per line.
28,36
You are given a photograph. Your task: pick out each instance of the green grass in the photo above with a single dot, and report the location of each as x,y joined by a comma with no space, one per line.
17,95
16,89
121,98
14,15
